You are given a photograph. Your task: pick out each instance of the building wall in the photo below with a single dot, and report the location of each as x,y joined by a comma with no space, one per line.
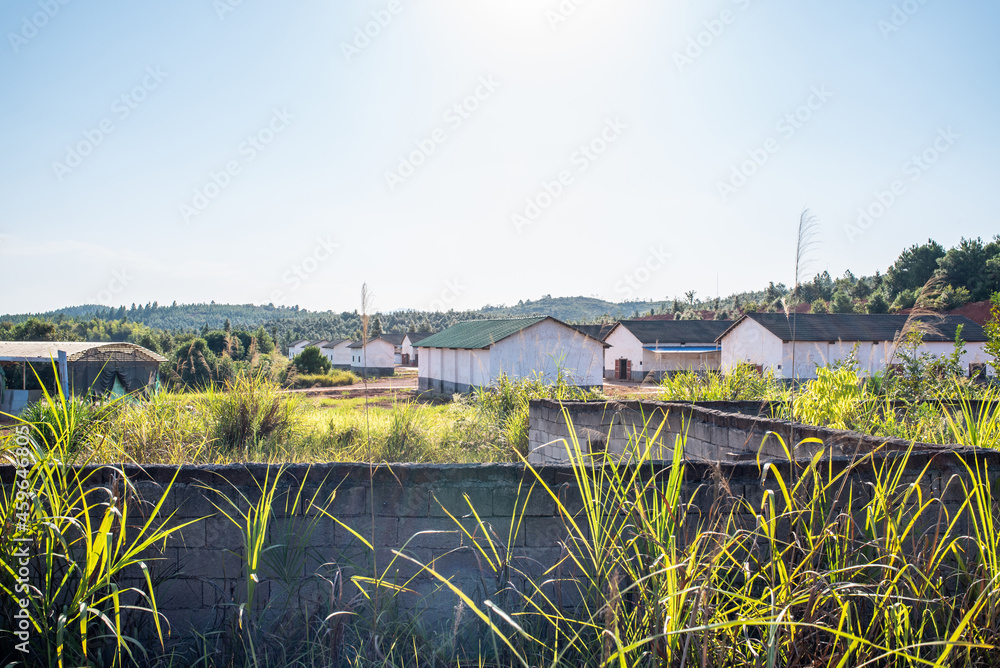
751,343
296,349
340,356
872,357
545,348
377,354
673,362
624,344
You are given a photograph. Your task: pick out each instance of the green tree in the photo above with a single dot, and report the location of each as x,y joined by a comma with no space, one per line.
311,360
993,333
819,306
265,344
913,268
842,303
968,265
877,304
376,329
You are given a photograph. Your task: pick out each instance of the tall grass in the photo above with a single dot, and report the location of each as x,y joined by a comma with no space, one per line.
742,383
820,568
71,549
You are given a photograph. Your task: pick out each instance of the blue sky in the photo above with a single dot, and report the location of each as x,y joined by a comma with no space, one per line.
466,152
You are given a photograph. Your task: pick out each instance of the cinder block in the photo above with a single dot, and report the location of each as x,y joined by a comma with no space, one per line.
452,499
402,501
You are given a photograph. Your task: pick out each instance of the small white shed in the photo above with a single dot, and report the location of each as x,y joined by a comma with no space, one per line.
374,358
338,353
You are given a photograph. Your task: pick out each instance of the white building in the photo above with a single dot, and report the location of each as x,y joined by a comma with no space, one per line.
408,349
396,339
338,353
765,341
475,354
652,348
297,347
374,358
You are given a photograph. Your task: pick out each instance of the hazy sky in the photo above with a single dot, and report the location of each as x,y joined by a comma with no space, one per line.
454,153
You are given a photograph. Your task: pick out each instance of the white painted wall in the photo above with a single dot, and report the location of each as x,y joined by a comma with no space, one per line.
543,349
750,342
679,361
296,349
377,354
624,344
480,365
340,354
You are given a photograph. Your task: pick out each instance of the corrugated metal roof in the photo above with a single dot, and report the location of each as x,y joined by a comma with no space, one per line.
676,331
480,334
395,338
690,350
599,332
859,327
417,337
43,351
359,344
477,334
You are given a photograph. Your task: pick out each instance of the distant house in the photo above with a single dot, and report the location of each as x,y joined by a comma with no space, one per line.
396,339
409,352
475,354
297,347
765,341
81,368
641,349
374,358
338,353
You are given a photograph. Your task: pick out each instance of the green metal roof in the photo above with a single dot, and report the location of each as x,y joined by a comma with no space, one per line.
476,334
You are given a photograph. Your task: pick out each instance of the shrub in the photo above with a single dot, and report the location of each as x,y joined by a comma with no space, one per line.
312,361
251,410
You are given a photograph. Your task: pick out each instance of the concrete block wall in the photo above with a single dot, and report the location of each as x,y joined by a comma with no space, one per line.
713,431
405,507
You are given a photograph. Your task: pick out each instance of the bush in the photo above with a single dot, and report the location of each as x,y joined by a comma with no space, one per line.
312,361
252,410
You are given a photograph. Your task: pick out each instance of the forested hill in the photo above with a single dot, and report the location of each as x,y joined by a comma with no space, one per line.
248,317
